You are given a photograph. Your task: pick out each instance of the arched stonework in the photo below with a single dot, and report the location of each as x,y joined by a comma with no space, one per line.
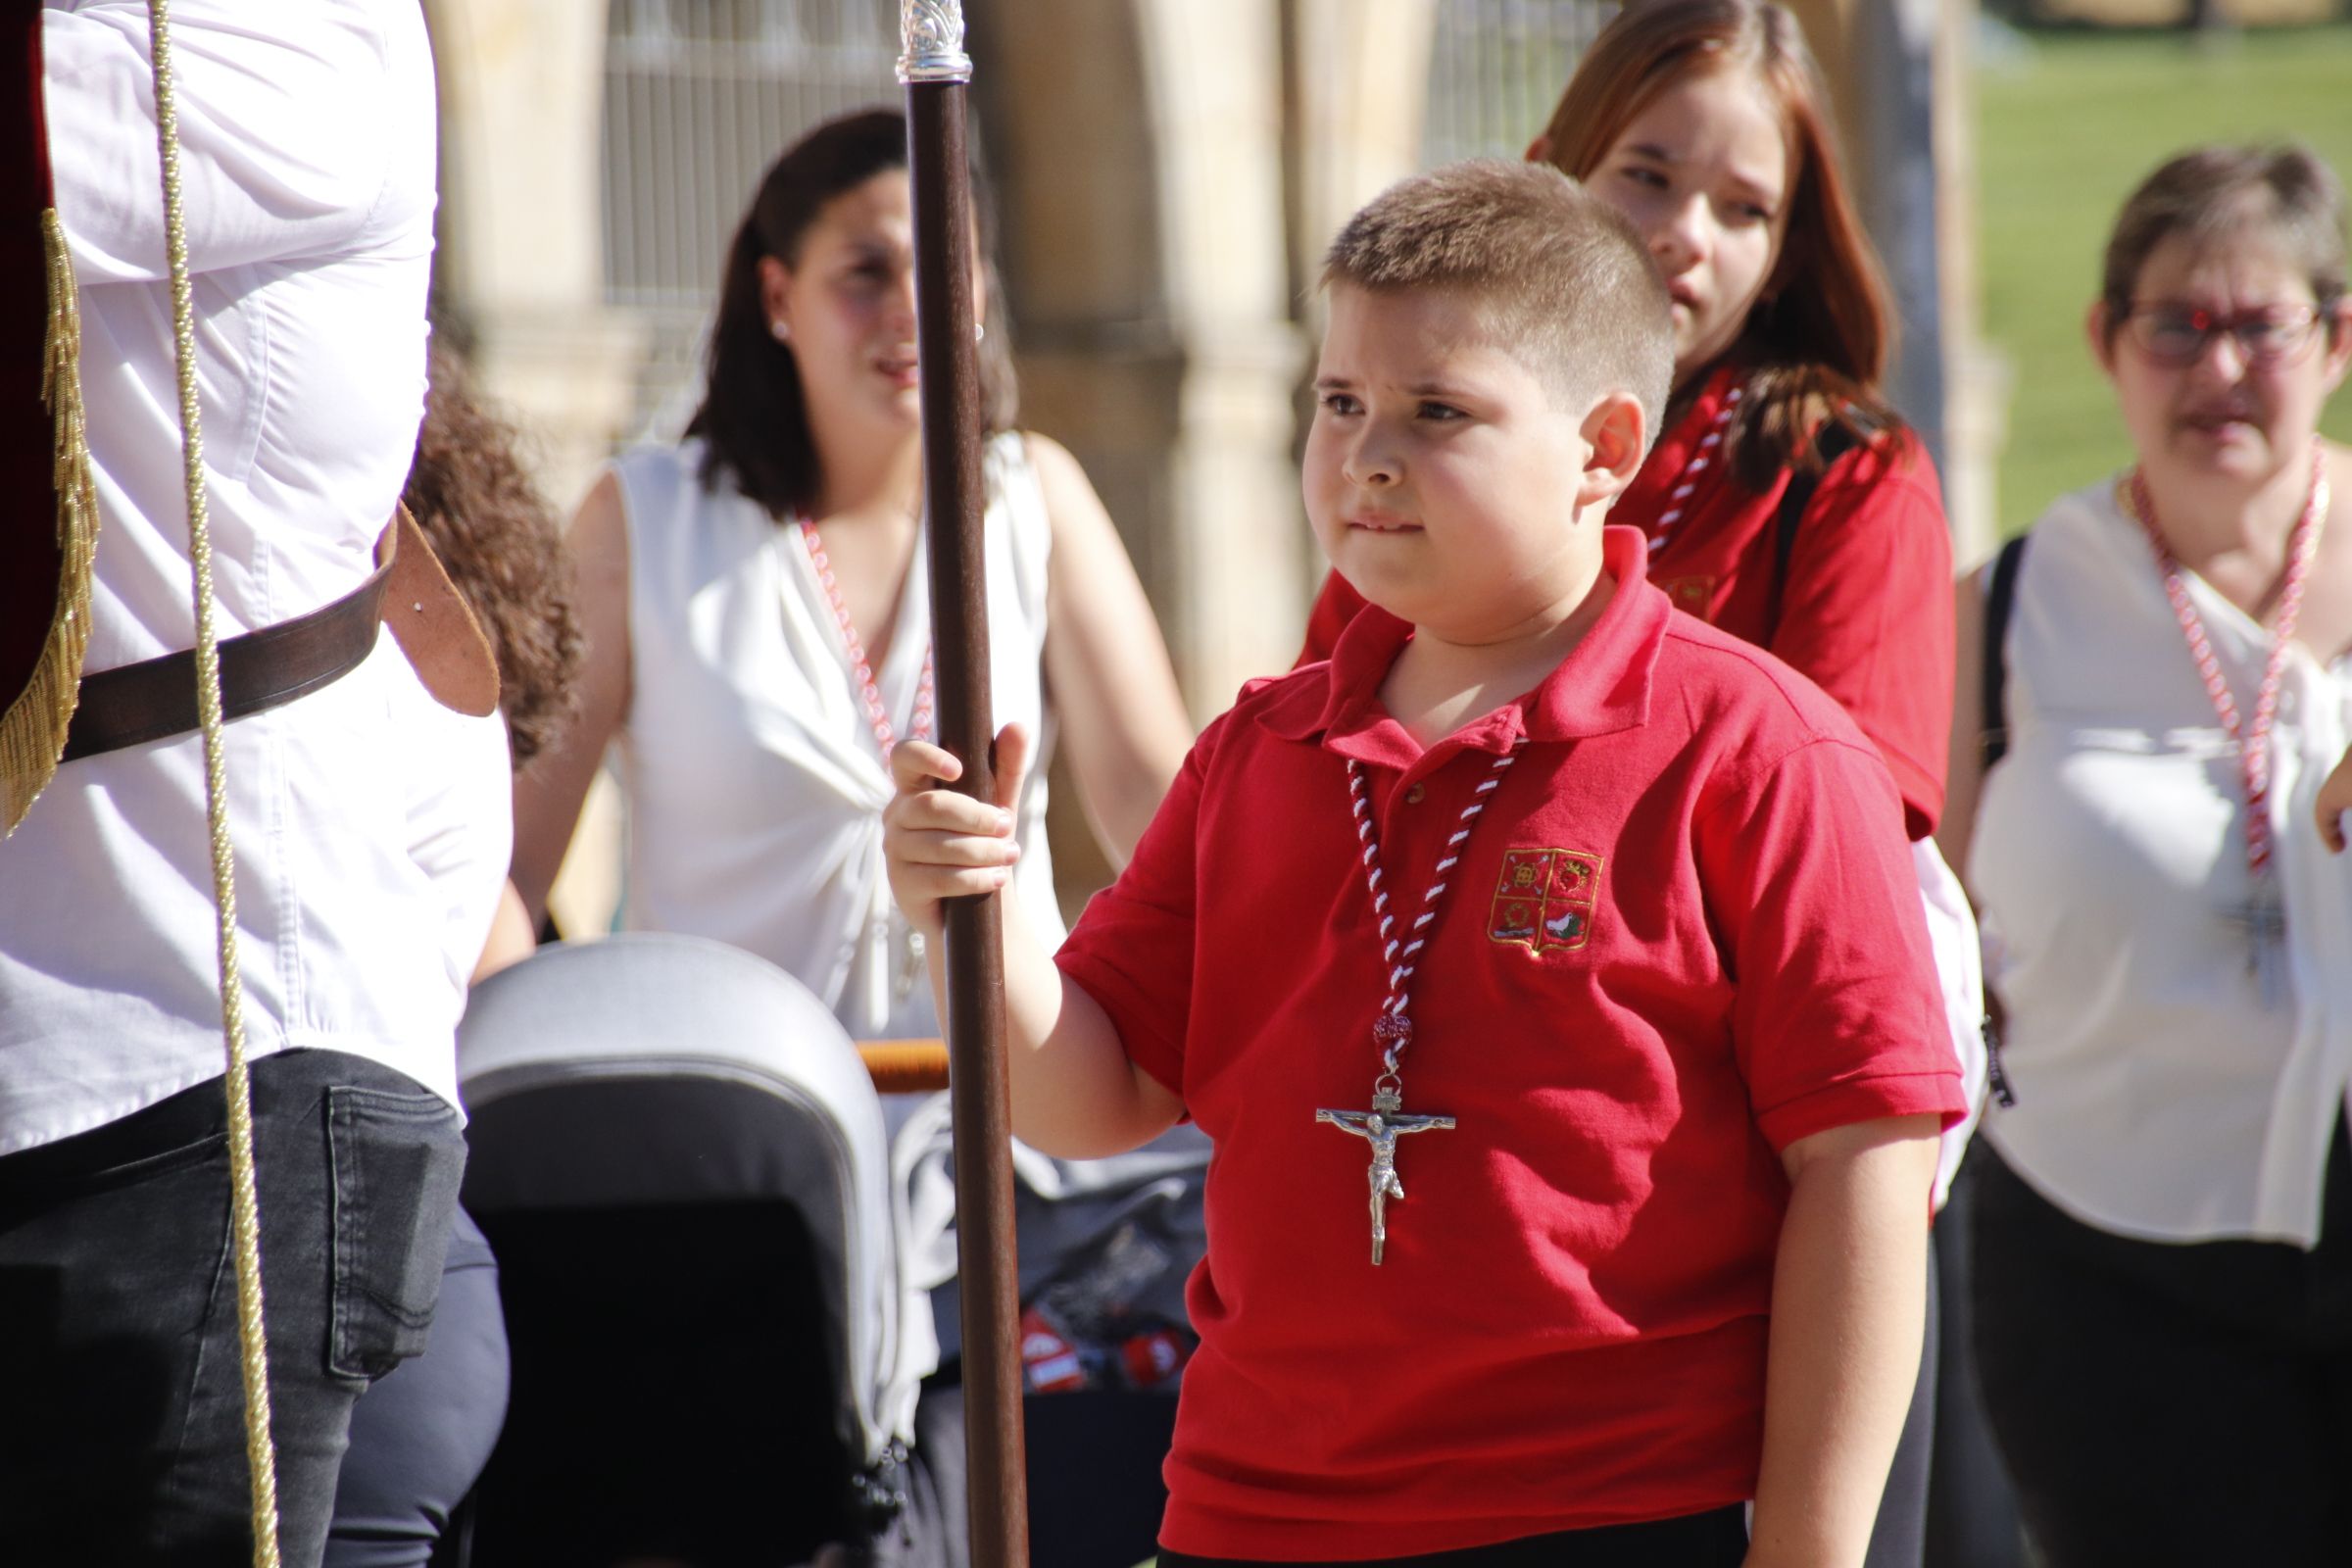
1140,147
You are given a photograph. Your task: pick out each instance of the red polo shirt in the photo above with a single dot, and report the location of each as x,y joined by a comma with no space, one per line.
1865,611
1684,933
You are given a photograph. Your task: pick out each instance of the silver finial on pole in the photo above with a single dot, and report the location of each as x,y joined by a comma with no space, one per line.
931,42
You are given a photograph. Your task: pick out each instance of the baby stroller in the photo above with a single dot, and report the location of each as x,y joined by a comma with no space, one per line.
682,1166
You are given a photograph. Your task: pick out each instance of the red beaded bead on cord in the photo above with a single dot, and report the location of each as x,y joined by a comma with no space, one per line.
2253,749
871,694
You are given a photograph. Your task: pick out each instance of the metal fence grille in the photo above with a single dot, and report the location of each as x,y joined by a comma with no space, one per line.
700,96
1496,69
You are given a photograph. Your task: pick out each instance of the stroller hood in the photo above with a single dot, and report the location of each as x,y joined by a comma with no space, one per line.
798,1120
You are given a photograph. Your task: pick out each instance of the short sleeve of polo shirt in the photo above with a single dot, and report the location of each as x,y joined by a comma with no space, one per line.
1866,612
1838,1016
1132,949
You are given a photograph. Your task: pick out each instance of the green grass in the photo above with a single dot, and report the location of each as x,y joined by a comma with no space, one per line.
2063,133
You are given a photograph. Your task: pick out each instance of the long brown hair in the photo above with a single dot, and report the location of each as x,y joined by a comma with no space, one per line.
754,414
1818,340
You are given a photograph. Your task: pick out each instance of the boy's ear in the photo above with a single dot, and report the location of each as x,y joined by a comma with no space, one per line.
1616,436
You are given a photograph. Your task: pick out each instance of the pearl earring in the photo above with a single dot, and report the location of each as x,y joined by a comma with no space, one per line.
781,331
979,331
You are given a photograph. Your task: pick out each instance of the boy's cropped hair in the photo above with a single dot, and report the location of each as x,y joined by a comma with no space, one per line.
1562,277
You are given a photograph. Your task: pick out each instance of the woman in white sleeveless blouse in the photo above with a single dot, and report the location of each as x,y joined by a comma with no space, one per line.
2163,1230
758,609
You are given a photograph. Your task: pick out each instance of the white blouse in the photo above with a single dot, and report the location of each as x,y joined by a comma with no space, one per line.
753,781
2159,1093
307,148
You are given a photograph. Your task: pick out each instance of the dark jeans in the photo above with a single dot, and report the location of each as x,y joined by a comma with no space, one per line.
2159,1402
421,1435
122,1403
1715,1540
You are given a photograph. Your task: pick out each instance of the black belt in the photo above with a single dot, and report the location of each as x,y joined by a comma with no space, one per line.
155,698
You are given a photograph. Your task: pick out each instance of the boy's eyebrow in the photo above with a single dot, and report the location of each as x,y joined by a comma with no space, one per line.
1418,389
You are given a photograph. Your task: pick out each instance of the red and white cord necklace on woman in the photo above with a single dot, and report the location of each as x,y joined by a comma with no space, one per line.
920,726
869,691
1392,1029
2263,914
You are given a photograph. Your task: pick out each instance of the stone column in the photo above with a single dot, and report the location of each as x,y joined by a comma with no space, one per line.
1976,418
1359,77
1213,72
520,273
1140,146
521,261
1897,76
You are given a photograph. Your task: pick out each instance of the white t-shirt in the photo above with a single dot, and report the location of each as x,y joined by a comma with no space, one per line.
2158,1094
307,156
754,780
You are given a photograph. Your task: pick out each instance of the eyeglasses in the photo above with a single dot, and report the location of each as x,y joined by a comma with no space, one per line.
2177,336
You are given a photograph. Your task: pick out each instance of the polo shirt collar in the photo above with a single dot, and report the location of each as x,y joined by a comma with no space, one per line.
1604,685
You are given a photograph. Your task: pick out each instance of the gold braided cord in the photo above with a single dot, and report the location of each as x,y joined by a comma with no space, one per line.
32,729
245,1205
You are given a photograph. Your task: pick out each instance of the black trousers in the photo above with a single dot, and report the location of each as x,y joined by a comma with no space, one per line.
422,1433
1972,1519
1713,1539
122,1403
2160,1404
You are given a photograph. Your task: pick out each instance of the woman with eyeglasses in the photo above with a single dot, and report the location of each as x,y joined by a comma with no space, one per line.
2164,1224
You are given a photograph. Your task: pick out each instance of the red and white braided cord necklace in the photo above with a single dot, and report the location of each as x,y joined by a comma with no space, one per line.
1392,1029
1679,499
869,691
2253,743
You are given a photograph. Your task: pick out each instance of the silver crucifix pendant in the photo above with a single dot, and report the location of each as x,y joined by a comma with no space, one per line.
1381,1127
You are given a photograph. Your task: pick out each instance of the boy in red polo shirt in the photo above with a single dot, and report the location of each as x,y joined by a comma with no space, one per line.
1593,928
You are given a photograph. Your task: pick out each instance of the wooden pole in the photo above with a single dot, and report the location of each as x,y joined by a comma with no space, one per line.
934,69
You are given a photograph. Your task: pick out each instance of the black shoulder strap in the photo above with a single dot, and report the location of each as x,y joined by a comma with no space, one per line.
2000,594
1833,441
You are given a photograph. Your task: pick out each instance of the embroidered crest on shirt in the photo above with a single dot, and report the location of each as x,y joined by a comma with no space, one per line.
1693,596
1544,898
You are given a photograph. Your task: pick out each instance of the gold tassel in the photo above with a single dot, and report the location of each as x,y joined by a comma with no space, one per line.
32,731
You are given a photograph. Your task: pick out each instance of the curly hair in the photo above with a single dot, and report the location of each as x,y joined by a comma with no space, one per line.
502,547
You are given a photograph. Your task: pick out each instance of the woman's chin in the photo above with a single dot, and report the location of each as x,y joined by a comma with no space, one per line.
899,409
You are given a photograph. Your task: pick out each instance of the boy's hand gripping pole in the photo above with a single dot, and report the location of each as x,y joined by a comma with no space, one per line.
935,68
